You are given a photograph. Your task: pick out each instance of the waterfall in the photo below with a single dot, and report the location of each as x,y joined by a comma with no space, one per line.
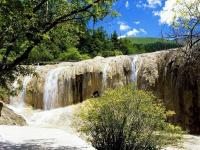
134,69
18,101
51,88
105,75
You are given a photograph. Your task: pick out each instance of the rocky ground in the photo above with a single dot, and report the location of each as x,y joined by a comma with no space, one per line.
8,117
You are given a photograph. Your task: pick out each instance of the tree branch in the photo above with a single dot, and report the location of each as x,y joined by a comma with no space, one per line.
36,41
59,20
39,5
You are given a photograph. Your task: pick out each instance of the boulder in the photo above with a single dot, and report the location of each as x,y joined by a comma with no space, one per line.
9,117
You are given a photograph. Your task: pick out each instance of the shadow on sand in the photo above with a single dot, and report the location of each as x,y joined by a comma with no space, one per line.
36,145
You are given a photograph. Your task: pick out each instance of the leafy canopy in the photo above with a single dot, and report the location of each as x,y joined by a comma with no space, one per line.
35,24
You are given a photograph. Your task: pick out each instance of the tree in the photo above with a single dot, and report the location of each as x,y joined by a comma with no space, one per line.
114,39
184,17
25,25
126,119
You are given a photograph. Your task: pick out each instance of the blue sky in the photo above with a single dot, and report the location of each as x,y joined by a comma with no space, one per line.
138,18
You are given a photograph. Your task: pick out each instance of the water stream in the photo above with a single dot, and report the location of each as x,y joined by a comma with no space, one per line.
134,69
51,88
51,127
19,100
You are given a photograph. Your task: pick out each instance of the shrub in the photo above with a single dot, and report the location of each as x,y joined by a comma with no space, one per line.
126,119
111,53
85,57
37,55
117,53
70,54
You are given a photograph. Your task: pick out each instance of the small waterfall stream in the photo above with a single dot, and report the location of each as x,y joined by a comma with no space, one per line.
47,129
18,101
134,69
105,76
52,127
51,88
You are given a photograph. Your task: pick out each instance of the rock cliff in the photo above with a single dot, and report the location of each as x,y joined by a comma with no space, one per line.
176,82
166,73
69,83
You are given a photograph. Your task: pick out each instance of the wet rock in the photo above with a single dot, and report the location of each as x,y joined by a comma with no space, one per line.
69,83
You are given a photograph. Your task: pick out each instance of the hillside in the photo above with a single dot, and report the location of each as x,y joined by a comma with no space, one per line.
139,45
147,40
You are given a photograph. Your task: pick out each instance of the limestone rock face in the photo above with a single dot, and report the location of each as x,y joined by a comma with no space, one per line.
9,117
69,83
178,84
165,73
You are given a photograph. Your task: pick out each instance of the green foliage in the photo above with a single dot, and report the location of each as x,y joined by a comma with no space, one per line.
43,30
97,42
4,94
85,57
126,119
143,45
71,54
40,55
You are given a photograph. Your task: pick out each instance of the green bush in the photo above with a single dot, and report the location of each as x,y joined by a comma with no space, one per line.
37,55
85,56
117,53
126,119
111,53
70,54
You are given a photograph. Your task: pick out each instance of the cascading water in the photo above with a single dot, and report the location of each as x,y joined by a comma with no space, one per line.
51,88
105,70
18,101
134,69
61,87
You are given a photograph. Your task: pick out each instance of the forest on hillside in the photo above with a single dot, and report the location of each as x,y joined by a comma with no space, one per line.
84,43
94,42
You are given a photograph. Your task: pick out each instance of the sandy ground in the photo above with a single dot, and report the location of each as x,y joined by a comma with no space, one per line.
34,138
39,138
190,142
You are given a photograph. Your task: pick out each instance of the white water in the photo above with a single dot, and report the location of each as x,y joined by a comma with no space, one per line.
134,69
105,76
52,127
19,101
49,129
51,88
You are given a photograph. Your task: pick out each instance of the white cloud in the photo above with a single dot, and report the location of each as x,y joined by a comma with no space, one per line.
156,13
153,3
139,4
121,37
143,30
127,4
132,32
123,26
136,22
149,4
